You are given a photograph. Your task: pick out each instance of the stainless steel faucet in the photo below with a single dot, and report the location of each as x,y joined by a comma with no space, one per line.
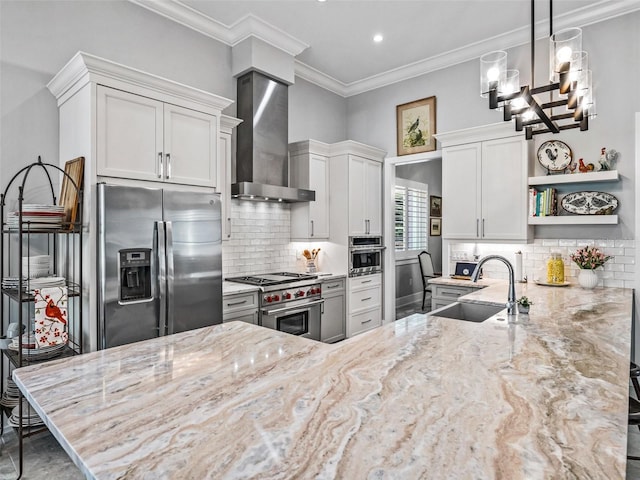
511,300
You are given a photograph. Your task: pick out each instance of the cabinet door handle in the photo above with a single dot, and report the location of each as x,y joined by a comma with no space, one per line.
229,229
483,227
312,228
365,299
477,227
367,281
366,321
231,304
168,166
332,286
160,165
367,226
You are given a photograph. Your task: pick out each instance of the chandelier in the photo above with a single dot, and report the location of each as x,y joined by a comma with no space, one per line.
569,87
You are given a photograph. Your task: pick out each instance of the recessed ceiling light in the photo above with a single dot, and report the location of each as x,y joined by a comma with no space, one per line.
378,37
322,1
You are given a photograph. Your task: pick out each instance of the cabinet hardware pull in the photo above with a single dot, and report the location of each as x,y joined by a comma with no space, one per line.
365,299
231,304
312,228
477,227
333,286
229,229
366,321
367,281
483,227
160,165
168,166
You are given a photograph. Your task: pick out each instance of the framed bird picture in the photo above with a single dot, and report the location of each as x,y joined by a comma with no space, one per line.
416,124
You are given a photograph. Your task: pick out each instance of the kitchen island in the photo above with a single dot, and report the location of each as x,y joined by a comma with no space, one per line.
543,396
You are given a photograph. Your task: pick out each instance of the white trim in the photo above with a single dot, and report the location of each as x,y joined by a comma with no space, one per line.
636,340
251,25
231,35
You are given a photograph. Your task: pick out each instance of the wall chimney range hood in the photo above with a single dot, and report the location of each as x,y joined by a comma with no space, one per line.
262,161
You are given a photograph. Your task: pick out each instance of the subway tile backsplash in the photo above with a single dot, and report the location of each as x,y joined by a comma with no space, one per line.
260,239
619,271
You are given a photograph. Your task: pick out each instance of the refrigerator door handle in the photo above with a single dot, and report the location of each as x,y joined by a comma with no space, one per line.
170,277
161,255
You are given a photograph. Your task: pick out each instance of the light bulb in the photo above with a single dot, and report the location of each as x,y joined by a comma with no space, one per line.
493,74
518,102
564,54
528,115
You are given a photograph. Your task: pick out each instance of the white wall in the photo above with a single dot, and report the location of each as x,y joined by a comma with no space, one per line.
316,113
614,49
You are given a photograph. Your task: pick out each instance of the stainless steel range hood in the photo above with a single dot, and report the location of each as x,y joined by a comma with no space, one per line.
262,162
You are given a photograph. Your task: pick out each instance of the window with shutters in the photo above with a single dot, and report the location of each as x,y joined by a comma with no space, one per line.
411,215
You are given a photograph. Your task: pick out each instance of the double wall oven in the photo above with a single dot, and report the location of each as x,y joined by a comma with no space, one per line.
289,302
365,255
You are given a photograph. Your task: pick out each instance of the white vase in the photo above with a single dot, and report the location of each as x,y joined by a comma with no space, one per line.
588,278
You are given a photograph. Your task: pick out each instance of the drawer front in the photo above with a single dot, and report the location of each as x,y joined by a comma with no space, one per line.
365,281
435,304
446,291
364,321
365,299
249,316
334,287
239,301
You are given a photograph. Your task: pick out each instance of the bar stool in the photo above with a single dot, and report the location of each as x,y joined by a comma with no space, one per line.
634,374
634,419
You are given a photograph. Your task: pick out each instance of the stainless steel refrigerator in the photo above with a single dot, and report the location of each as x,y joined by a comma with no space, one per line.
159,263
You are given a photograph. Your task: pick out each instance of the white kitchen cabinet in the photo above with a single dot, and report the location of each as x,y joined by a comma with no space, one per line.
365,196
142,138
365,304
151,113
444,295
333,323
242,307
484,185
225,163
309,169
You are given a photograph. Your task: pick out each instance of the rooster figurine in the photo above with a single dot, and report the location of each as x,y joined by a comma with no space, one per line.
52,311
585,168
572,167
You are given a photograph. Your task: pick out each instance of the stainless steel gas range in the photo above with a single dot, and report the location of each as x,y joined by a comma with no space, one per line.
289,302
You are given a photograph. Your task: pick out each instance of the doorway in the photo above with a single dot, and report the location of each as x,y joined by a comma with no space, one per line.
409,229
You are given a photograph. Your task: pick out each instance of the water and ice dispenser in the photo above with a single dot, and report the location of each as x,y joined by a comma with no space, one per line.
135,274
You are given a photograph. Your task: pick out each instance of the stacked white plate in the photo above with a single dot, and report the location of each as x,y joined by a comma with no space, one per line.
29,416
36,216
11,283
36,266
31,351
10,395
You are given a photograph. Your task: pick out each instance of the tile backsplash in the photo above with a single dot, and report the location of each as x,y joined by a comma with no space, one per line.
260,240
619,271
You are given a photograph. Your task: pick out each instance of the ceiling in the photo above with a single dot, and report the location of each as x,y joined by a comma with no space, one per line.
332,40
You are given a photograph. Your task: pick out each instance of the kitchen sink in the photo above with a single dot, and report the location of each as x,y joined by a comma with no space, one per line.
471,312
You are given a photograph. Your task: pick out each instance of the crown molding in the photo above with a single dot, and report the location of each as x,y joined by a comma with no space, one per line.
231,35
251,25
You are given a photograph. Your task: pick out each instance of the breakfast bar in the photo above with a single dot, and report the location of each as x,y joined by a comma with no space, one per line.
521,397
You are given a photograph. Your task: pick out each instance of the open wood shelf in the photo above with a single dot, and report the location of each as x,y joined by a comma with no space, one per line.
607,176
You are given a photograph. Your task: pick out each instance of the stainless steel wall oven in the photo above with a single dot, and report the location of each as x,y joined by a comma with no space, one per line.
365,255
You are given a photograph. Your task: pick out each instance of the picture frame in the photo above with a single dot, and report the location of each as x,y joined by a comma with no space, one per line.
416,126
435,227
435,206
70,194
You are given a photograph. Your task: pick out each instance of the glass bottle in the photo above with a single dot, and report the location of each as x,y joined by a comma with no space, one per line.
555,269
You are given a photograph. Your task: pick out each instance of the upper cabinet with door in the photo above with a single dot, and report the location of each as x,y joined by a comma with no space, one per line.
484,184
309,169
144,139
146,127
356,189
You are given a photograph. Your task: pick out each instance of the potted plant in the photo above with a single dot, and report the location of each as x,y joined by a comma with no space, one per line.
588,259
523,304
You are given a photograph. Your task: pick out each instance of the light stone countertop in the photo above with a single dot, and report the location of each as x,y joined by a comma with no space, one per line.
544,396
231,288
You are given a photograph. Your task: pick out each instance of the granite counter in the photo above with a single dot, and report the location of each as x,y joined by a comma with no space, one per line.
538,397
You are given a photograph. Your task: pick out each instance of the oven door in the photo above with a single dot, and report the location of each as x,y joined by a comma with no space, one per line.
297,318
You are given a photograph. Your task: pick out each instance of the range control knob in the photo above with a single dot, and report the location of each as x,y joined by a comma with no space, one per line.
299,293
268,299
286,295
276,298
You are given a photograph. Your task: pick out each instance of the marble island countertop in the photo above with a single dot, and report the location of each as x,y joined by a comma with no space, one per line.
423,397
